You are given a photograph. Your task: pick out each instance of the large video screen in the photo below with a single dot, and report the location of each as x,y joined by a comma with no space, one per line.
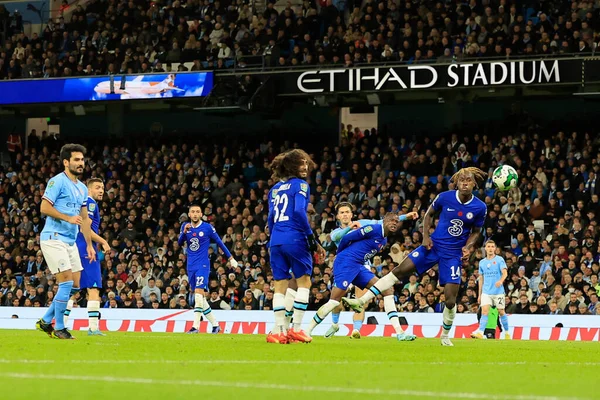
65,90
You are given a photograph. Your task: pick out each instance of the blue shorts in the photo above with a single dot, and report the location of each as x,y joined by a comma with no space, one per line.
449,263
91,276
198,278
291,258
349,272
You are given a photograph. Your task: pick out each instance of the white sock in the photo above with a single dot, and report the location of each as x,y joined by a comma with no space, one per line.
290,296
448,318
279,310
209,314
300,306
68,311
198,309
381,285
389,306
93,308
322,313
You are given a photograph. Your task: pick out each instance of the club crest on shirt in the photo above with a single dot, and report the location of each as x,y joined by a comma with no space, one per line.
201,234
469,215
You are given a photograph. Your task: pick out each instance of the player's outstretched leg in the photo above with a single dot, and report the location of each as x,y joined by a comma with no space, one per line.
389,306
325,309
335,319
322,313
450,291
405,268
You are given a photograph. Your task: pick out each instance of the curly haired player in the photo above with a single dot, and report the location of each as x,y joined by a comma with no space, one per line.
292,241
461,218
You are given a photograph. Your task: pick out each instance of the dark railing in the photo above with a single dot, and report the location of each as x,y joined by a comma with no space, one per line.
263,67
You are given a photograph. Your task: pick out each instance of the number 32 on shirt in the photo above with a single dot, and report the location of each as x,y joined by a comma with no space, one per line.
280,205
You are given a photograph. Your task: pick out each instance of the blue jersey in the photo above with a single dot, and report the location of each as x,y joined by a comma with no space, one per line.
94,215
360,245
456,220
67,197
338,233
288,203
491,270
198,241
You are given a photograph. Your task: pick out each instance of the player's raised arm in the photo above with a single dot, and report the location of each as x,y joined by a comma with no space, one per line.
337,234
365,232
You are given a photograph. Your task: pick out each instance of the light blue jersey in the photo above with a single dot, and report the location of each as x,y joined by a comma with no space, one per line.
68,198
491,270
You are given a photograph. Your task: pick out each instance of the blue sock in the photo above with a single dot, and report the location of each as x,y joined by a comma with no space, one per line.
335,317
49,316
61,299
504,321
358,324
483,322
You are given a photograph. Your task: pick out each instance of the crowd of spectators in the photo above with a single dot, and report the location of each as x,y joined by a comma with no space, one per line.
118,36
546,227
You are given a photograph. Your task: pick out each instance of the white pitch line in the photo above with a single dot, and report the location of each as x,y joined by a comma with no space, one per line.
296,362
268,386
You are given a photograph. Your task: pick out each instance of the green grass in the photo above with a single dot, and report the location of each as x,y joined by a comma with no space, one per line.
174,366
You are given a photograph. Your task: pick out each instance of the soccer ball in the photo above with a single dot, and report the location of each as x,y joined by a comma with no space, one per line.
505,178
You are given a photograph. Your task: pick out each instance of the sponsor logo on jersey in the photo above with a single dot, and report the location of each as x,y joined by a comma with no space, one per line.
450,209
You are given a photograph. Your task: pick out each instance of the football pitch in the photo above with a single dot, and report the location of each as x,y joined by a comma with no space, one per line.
177,366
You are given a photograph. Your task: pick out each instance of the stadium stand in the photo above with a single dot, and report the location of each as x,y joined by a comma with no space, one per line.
547,226
100,37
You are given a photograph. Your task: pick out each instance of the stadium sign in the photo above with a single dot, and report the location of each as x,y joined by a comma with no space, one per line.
426,325
457,75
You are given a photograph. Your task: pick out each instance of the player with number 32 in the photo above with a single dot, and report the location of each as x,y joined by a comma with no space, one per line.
292,241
